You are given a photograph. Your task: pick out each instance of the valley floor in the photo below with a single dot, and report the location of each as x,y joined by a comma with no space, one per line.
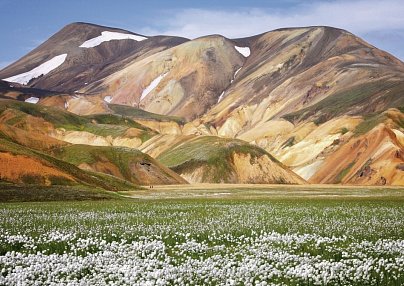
209,235
267,192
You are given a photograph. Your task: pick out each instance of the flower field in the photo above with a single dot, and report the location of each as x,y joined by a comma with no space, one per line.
344,241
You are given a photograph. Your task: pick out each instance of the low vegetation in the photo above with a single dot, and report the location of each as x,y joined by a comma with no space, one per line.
137,113
373,119
35,193
100,124
64,169
354,99
212,152
346,240
122,162
344,172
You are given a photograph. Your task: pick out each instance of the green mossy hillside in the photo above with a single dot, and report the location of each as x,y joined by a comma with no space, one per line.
137,113
125,160
81,177
362,99
213,153
100,124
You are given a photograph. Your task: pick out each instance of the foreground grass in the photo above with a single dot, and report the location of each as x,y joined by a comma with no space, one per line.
32,193
348,240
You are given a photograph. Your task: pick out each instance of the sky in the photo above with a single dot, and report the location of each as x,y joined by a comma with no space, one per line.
26,24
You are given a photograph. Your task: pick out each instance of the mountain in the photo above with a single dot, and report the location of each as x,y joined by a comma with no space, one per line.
323,102
72,63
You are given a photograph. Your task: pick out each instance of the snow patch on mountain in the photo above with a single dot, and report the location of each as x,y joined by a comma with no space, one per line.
231,81
220,97
109,36
33,100
108,98
152,86
42,69
245,51
234,76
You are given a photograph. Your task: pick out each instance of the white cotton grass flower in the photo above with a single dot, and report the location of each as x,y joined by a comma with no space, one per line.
172,244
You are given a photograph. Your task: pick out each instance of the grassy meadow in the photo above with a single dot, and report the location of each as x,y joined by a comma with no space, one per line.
208,235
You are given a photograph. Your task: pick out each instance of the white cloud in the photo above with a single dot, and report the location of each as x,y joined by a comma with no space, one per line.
357,16
361,17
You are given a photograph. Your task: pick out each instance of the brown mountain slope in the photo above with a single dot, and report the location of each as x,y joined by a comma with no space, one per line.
187,79
311,77
83,65
374,158
308,74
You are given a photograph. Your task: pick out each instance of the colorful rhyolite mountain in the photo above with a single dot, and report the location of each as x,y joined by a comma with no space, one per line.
298,105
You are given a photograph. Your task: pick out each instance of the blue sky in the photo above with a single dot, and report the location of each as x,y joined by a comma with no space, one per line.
25,24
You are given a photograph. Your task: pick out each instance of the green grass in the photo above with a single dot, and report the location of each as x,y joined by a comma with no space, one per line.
113,119
32,193
299,214
343,173
371,120
59,118
206,149
137,113
239,229
116,125
343,130
387,93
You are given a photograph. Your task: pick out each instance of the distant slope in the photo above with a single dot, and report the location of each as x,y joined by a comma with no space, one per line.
375,156
100,130
140,114
184,81
313,73
9,90
84,65
217,160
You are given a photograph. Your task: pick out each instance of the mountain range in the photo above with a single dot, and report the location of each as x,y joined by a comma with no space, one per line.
106,107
